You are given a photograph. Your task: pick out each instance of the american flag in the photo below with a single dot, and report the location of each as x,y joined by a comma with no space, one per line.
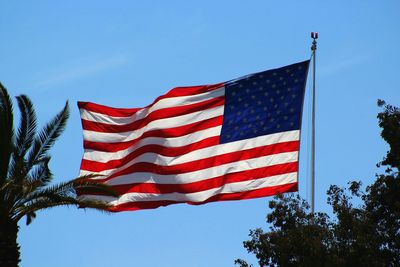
228,141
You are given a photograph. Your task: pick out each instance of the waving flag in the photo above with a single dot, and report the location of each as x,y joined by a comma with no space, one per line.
228,141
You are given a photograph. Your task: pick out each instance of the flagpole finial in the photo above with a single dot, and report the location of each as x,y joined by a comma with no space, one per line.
314,36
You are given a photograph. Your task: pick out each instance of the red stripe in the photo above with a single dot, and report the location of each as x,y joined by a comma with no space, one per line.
190,90
262,192
207,162
127,112
155,115
95,166
115,112
165,133
205,184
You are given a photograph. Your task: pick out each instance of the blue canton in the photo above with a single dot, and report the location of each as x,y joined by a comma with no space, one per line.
264,103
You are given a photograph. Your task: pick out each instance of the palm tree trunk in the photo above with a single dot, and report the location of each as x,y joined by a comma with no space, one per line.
9,248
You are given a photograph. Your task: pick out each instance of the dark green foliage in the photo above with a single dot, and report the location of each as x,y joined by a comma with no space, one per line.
389,121
364,235
25,175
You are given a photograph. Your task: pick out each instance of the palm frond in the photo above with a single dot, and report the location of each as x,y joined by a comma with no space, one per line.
24,138
46,138
40,175
72,187
85,184
6,132
57,200
62,191
27,128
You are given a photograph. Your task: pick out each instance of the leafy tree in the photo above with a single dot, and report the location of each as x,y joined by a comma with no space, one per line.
25,175
364,235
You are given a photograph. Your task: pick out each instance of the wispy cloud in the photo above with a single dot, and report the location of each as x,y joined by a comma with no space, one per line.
343,64
80,68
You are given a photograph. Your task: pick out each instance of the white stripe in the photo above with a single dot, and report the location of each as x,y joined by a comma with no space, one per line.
154,125
208,173
210,151
202,195
185,140
142,113
180,141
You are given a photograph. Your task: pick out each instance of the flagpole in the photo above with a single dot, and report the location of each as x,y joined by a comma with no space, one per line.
314,36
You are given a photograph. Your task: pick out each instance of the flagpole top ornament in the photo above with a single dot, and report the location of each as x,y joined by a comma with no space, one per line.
314,36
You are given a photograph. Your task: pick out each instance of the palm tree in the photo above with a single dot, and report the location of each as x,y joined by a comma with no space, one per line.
25,175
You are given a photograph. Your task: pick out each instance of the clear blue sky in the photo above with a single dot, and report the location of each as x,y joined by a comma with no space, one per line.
126,53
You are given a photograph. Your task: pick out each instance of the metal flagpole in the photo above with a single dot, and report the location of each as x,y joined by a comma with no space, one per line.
314,36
